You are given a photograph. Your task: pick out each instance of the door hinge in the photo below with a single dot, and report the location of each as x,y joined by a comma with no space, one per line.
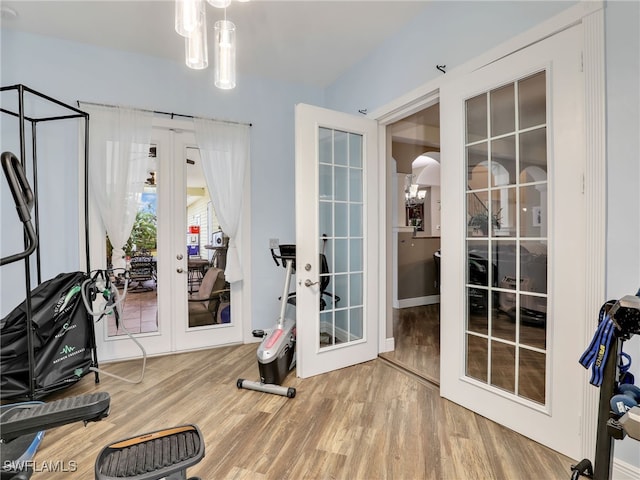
581,61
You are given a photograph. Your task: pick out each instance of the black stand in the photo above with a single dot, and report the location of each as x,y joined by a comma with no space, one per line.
626,315
54,110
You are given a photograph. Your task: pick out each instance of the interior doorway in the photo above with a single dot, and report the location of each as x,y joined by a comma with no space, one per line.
415,225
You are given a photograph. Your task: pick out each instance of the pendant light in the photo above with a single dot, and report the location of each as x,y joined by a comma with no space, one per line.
190,22
189,14
196,51
225,54
219,3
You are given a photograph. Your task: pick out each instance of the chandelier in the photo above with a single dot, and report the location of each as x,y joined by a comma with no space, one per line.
191,23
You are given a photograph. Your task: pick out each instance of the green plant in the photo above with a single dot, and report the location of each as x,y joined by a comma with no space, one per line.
143,234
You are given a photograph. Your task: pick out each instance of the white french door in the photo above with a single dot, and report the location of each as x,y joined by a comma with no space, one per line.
337,215
513,247
161,323
188,262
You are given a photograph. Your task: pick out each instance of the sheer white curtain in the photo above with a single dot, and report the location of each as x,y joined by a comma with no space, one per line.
119,141
224,149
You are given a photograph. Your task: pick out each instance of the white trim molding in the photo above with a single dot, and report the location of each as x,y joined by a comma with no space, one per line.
595,198
416,301
624,471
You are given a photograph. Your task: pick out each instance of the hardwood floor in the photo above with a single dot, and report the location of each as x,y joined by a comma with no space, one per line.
416,332
370,421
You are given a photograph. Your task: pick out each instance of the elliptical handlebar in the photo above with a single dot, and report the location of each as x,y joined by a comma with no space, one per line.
24,200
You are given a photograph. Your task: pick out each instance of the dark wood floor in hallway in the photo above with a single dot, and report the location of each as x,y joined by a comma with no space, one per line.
367,422
416,333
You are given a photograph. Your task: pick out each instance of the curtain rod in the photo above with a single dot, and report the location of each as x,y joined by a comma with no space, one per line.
171,114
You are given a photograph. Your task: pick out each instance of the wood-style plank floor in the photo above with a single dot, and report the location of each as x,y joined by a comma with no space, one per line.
370,421
416,332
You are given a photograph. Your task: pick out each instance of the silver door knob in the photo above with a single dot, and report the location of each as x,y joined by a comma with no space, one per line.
179,256
179,270
308,283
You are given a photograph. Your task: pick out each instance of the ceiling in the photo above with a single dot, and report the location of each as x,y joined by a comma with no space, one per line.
309,42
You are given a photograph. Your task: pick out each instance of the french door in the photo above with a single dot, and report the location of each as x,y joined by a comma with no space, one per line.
513,248
191,232
157,311
337,215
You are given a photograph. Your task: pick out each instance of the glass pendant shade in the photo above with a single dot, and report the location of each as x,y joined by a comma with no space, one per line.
225,54
219,3
196,52
189,16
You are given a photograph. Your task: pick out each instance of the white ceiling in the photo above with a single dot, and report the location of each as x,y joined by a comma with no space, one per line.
311,42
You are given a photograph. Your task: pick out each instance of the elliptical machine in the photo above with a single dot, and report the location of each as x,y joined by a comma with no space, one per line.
277,351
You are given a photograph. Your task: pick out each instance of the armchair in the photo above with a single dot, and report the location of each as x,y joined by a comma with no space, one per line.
207,304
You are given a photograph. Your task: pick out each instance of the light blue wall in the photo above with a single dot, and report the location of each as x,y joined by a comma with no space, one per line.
622,40
445,33
70,72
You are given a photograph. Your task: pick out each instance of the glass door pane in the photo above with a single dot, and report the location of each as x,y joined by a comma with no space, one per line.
507,217
209,299
140,307
341,239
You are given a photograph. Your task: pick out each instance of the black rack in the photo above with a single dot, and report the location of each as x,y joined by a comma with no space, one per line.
625,314
51,110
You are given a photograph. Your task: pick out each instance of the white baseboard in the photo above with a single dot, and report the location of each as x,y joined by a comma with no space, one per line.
624,471
389,345
416,301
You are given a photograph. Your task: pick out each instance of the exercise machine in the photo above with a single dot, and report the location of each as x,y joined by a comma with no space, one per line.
22,427
277,351
162,454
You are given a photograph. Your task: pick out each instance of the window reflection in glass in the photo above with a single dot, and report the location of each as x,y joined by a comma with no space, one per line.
503,161
477,166
503,110
477,118
507,229
532,100
477,357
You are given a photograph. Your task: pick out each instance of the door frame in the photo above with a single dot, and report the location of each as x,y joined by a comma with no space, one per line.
240,292
591,15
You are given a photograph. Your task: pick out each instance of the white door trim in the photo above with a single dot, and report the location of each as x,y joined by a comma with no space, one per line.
591,14
596,200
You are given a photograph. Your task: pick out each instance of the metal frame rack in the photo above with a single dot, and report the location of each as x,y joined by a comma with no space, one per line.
25,94
625,313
